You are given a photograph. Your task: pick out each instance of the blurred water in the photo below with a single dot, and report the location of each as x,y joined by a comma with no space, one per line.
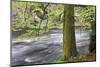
49,47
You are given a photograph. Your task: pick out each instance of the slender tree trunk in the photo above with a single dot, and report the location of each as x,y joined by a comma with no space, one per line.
69,44
44,10
39,28
46,27
25,11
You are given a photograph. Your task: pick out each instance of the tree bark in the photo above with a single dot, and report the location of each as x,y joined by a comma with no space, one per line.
92,46
69,44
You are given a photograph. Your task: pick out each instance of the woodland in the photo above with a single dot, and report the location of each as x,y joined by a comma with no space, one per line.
55,33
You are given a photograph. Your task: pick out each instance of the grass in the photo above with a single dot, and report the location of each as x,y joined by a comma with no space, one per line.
78,58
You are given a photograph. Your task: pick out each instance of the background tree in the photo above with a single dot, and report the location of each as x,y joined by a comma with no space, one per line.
87,15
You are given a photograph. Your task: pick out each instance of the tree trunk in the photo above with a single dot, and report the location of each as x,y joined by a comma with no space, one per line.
69,44
39,28
92,46
44,13
46,27
25,11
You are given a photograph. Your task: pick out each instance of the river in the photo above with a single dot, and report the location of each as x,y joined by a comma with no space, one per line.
47,48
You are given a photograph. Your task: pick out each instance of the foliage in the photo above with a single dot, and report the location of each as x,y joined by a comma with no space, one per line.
39,18
86,14
36,17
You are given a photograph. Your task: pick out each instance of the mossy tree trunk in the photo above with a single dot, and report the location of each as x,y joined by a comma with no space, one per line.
69,44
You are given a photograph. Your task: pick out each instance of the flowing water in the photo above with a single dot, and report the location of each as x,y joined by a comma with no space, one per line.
47,48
